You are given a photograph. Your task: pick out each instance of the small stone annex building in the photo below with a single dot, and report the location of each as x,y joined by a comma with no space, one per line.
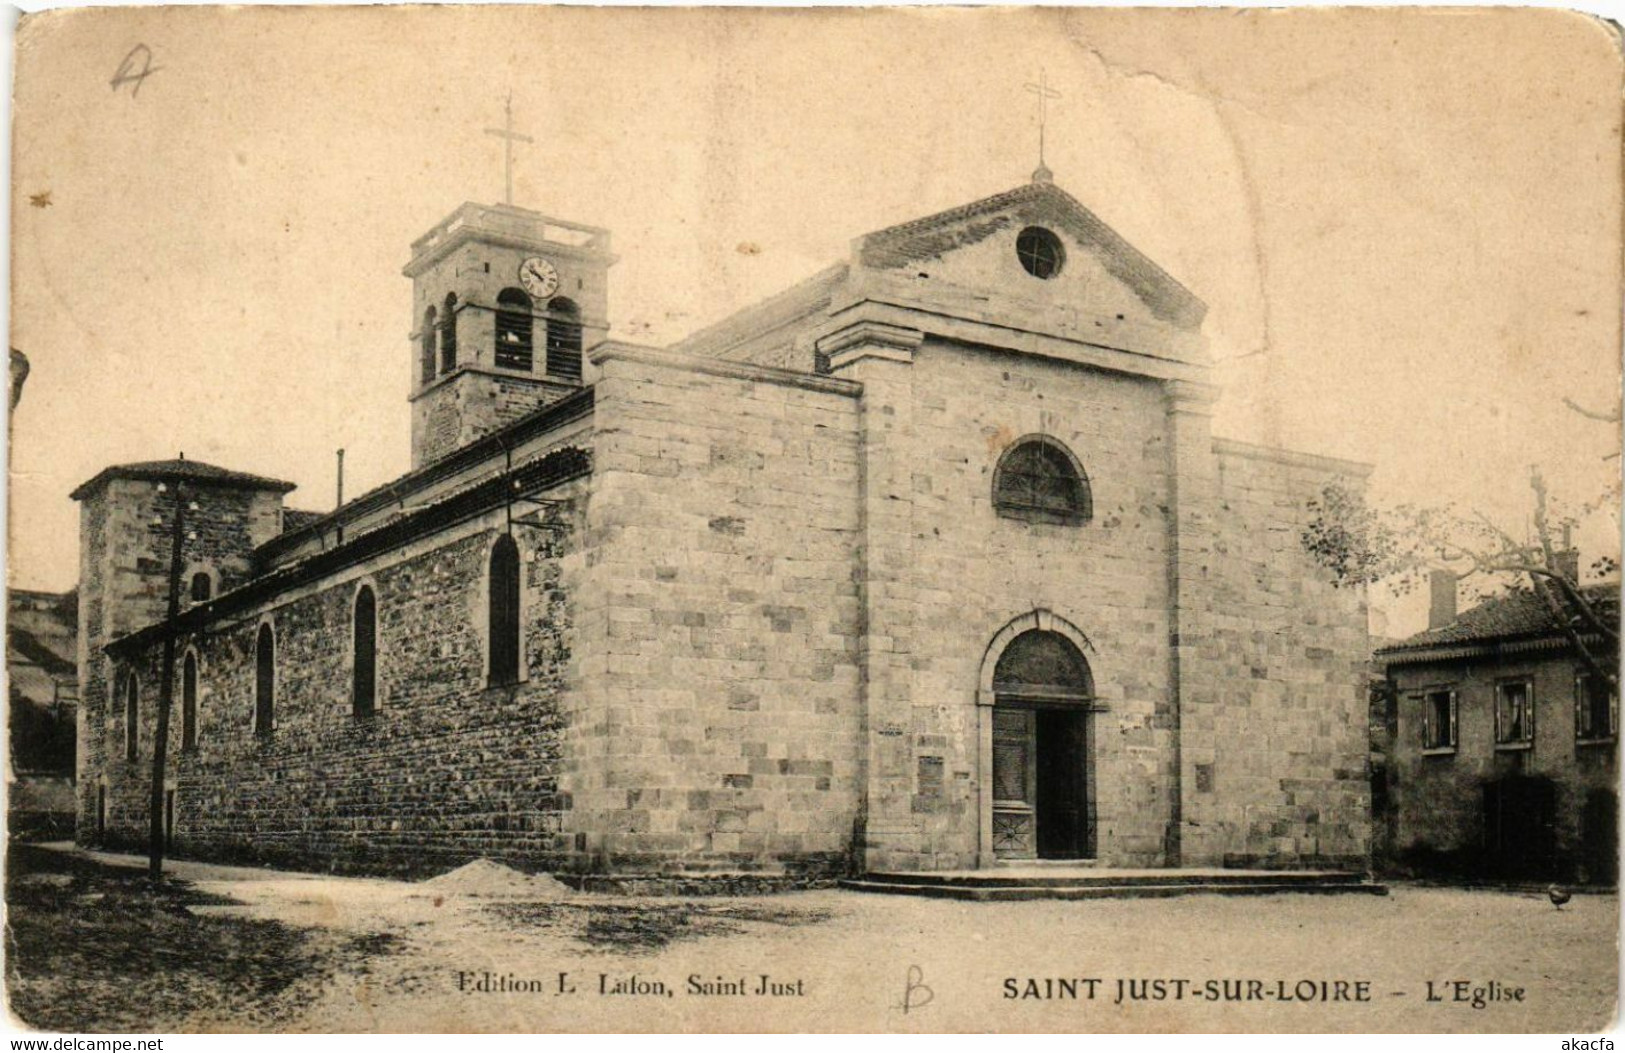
930,561
1504,747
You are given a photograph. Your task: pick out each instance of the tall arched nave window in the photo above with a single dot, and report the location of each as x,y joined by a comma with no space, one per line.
503,623
264,681
132,717
189,702
364,686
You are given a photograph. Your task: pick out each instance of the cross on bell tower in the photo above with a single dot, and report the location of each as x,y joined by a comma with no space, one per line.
1042,174
505,303
508,137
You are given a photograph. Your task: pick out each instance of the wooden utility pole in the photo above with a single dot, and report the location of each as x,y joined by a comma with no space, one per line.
339,501
166,690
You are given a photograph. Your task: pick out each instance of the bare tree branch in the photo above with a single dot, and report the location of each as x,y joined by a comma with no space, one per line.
1610,416
1360,545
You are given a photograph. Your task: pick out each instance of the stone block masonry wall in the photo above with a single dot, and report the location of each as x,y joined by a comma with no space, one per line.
717,728
958,572
473,403
446,770
1275,752
125,531
90,753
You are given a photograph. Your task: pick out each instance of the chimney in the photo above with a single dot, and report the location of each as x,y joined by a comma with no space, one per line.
1442,598
1567,559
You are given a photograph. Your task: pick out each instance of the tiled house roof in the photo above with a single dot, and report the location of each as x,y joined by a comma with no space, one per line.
1520,615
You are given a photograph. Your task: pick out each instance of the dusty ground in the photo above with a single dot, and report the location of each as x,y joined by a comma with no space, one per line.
92,946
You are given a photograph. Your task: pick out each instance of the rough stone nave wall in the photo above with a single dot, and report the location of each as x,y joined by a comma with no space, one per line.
448,768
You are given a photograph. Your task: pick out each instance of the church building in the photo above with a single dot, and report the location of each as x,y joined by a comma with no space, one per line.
928,562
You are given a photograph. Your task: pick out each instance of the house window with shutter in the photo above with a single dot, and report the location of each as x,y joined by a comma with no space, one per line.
1596,709
1438,721
1514,715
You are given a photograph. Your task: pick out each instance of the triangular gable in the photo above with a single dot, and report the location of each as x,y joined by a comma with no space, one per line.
1036,204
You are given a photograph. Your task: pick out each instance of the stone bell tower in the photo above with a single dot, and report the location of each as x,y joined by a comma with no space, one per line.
504,303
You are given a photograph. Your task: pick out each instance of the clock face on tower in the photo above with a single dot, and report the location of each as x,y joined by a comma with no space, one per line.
539,277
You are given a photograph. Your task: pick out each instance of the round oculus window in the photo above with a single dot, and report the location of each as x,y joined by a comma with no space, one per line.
1040,252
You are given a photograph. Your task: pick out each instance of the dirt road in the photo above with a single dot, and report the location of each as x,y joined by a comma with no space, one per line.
493,954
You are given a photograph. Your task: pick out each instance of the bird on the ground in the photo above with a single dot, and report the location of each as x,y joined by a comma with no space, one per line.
1558,896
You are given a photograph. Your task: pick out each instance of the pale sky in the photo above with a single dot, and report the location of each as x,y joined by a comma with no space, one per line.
1406,223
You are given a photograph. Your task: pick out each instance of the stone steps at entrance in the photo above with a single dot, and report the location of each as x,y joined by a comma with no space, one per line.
1006,884
1058,874
1007,893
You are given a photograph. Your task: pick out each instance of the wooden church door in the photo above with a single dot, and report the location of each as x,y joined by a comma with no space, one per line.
1042,778
1015,783
1041,801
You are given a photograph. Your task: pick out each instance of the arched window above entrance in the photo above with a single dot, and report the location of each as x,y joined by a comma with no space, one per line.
1038,480
1043,664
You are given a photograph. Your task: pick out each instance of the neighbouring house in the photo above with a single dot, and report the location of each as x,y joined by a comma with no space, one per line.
1504,761
42,673
930,561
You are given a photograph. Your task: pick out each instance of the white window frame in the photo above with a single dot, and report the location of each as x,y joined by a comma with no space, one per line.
1448,746
1612,733
1528,741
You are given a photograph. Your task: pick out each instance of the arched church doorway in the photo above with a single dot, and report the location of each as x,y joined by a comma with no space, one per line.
1043,776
